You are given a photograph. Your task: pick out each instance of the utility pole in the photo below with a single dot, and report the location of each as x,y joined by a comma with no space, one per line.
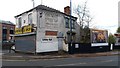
33,3
41,2
71,26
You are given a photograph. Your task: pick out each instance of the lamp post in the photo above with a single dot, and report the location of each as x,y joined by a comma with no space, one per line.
33,3
41,2
71,26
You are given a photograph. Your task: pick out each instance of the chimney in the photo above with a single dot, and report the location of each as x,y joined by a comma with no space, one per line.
67,10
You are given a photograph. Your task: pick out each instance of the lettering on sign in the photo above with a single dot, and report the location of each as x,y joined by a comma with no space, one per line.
51,33
18,30
25,29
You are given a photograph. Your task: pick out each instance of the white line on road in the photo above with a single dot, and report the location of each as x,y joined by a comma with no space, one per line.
72,64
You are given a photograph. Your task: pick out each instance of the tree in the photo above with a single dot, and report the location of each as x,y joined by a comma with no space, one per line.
111,39
118,30
85,36
83,15
84,22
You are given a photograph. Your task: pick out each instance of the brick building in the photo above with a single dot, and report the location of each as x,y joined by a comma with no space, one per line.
6,28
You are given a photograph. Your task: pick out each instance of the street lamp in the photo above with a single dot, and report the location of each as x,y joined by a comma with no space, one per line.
33,3
71,26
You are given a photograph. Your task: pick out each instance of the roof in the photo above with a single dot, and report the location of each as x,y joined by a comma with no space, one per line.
43,7
6,22
117,34
98,29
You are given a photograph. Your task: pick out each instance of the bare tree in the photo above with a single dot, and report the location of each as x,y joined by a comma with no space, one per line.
84,18
83,15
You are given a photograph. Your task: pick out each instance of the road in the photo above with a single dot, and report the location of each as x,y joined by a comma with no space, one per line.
83,61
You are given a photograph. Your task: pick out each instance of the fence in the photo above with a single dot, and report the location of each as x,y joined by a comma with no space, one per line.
86,48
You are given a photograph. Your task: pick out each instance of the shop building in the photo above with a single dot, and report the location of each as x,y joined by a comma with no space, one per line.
44,29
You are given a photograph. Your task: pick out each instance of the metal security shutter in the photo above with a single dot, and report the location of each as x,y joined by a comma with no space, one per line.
25,43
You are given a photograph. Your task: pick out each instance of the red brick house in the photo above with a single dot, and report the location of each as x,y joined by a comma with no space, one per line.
6,28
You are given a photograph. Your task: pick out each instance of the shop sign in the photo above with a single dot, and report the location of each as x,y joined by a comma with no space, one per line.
18,30
25,29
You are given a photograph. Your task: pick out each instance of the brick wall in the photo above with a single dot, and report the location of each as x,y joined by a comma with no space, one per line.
8,29
67,10
0,32
0,35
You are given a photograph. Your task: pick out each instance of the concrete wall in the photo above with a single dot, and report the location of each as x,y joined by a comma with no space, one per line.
25,18
44,24
52,21
77,30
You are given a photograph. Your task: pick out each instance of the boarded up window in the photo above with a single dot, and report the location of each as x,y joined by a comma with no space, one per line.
51,33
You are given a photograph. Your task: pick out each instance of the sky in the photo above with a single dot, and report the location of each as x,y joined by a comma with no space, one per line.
103,12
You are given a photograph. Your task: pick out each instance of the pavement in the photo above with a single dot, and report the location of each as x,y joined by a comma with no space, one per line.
25,56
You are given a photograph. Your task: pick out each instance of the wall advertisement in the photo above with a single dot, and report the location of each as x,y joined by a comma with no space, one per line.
99,37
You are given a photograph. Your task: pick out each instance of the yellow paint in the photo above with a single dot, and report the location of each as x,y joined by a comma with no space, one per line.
18,30
27,29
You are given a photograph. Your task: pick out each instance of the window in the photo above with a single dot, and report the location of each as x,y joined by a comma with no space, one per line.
24,22
67,22
73,24
19,22
4,35
71,38
11,31
30,18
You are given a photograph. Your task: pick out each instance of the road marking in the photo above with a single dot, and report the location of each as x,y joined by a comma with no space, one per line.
107,61
71,64
14,60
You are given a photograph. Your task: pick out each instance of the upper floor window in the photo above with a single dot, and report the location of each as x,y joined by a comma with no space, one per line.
11,30
73,24
30,18
4,35
67,22
19,22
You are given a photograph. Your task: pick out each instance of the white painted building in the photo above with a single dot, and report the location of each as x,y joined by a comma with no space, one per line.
44,29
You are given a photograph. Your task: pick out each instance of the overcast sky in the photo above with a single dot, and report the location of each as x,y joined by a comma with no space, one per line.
104,12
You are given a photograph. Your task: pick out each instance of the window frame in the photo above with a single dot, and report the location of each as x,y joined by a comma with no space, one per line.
67,22
30,19
19,22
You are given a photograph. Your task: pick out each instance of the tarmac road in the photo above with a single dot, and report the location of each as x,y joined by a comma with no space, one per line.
79,61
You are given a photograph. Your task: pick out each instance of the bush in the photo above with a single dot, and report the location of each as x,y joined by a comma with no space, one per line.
111,39
118,30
